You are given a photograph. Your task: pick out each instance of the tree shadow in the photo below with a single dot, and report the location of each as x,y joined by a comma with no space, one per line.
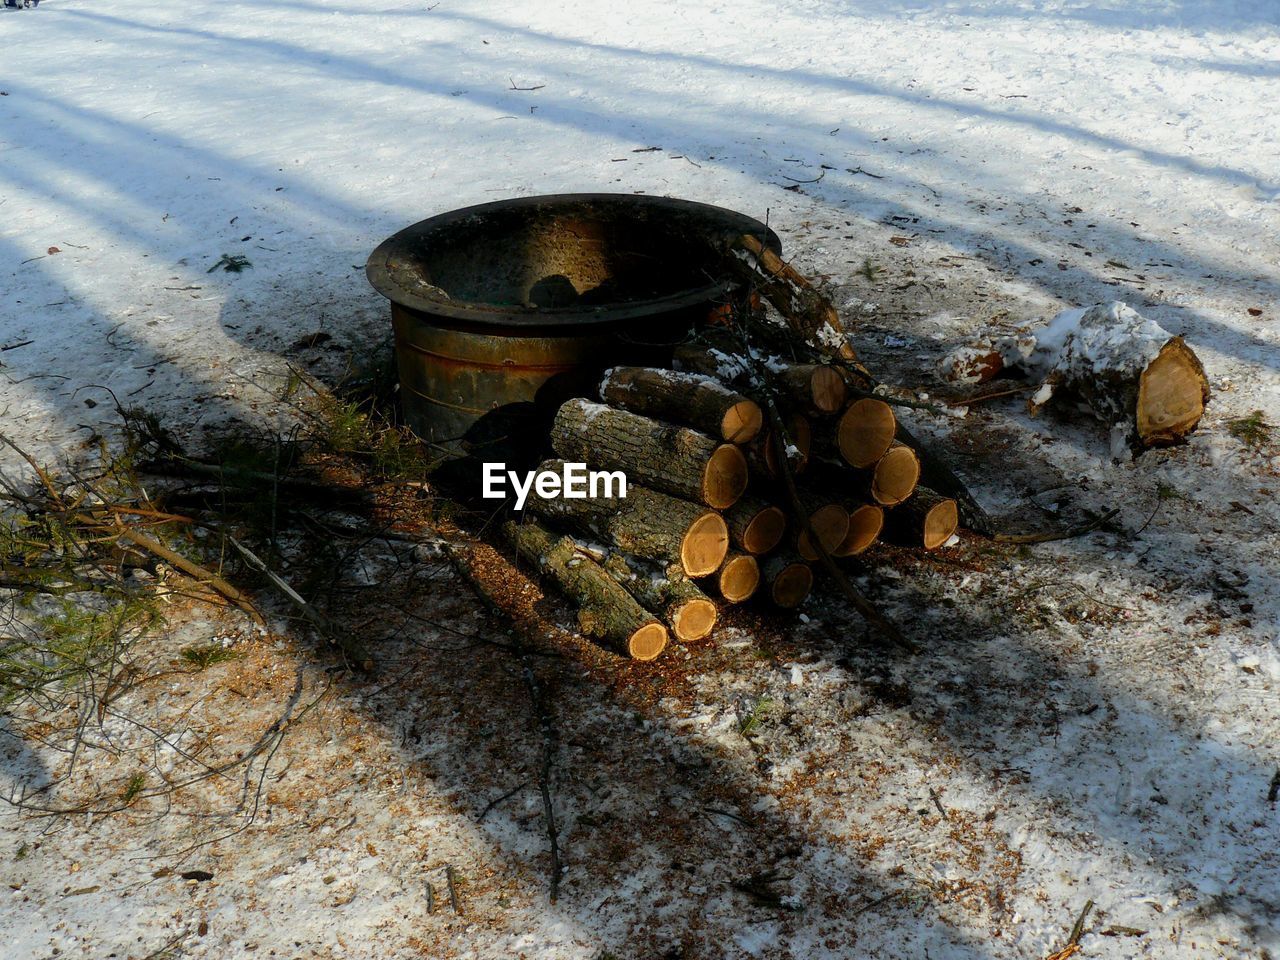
986,682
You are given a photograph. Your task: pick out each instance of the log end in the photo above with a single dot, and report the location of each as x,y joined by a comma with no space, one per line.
830,523
765,531
940,523
827,389
742,422
865,432
725,478
705,545
866,521
1172,393
739,578
896,476
694,620
647,642
791,586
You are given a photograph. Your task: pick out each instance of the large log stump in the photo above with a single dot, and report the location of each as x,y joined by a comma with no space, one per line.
646,523
692,399
660,455
605,609
1131,372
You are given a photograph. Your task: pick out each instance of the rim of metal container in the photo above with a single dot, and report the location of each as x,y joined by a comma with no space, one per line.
735,224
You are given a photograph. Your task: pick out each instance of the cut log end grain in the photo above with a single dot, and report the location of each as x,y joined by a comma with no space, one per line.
705,545
647,642
789,582
814,387
724,479
896,475
1172,393
865,432
866,521
764,531
940,524
827,389
830,524
739,577
741,422
694,620
927,520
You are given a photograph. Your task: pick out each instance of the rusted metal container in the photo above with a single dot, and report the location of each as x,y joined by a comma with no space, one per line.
503,310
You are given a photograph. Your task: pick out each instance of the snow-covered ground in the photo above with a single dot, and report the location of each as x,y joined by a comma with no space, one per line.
1097,719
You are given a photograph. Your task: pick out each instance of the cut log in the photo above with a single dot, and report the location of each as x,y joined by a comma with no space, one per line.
605,609
689,612
663,456
725,365
865,431
693,399
646,523
796,443
787,579
927,520
815,387
738,579
895,476
809,313
812,387
866,521
1133,374
830,524
755,525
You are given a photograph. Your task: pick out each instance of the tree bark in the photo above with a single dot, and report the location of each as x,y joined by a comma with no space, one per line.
689,612
605,609
663,456
693,399
811,387
809,313
646,523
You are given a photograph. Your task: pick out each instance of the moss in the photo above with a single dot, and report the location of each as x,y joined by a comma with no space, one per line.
1252,431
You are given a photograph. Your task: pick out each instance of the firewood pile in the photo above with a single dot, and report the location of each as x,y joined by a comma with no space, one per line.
759,459
763,458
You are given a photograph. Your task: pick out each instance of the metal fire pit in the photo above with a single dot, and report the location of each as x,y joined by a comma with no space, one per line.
503,310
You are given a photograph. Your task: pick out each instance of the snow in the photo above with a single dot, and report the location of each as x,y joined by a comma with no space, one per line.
1097,717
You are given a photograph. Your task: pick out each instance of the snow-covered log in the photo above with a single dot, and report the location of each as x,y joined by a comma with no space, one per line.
1133,374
